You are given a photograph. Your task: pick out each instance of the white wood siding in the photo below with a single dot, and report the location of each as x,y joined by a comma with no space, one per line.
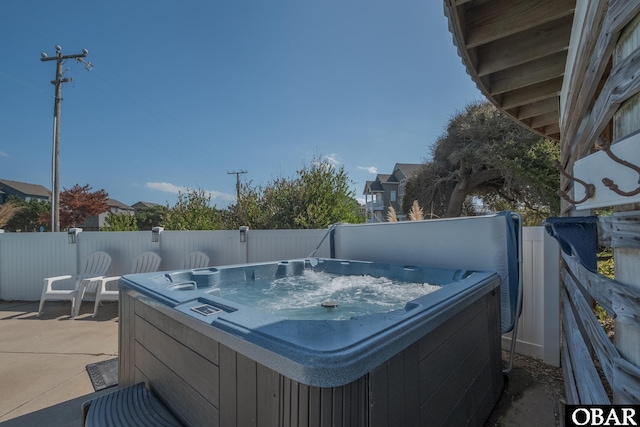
594,168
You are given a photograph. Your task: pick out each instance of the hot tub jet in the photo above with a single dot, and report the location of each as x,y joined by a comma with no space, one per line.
329,304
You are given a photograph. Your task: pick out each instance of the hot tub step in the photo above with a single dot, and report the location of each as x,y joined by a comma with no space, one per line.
129,406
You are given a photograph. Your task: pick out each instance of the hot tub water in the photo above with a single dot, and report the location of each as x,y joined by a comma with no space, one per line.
301,297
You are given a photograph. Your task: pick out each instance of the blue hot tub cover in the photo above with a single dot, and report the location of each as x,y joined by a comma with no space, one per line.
481,243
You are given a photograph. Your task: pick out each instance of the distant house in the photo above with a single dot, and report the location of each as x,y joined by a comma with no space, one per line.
95,223
23,190
375,210
387,190
144,205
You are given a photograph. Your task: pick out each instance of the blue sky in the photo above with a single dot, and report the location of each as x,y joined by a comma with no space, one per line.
183,92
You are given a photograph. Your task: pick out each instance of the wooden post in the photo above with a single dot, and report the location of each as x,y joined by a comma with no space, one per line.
627,329
627,260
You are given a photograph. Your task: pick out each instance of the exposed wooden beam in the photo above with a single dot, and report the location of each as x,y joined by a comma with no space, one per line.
545,120
553,130
534,72
531,94
527,124
497,19
538,108
538,42
524,96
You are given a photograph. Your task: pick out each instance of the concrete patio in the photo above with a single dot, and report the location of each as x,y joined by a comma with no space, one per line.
43,377
43,380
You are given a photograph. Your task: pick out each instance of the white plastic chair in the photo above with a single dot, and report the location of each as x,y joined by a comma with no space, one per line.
94,266
194,259
146,262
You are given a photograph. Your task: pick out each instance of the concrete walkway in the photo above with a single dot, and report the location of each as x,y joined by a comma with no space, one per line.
43,379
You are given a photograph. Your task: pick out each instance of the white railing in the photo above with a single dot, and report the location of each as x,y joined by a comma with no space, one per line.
375,206
27,258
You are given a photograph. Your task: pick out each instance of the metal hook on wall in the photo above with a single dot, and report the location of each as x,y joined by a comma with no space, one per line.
606,147
589,189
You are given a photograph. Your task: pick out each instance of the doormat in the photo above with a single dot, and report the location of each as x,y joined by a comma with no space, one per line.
103,374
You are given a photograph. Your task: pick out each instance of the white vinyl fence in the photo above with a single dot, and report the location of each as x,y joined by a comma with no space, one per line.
539,329
27,258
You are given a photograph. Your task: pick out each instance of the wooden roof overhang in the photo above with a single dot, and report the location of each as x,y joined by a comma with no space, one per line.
515,51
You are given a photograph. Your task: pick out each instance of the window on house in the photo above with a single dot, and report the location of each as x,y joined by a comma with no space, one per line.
393,196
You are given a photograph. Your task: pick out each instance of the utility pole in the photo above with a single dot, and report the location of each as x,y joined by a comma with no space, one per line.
55,191
237,174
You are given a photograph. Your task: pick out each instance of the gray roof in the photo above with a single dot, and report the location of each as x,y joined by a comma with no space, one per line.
391,179
26,188
383,177
113,203
408,169
142,205
372,187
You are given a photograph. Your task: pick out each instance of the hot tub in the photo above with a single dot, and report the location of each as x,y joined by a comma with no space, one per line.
432,360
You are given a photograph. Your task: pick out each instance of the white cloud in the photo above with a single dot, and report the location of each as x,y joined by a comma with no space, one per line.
223,196
167,187
333,159
3,154
370,169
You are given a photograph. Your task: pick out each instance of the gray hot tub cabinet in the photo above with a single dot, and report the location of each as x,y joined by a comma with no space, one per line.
450,375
